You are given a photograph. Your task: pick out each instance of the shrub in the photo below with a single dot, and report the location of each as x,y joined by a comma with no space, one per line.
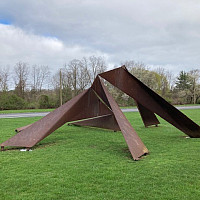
11,102
33,105
44,101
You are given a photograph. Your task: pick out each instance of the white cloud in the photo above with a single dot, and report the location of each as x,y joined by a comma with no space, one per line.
156,32
18,45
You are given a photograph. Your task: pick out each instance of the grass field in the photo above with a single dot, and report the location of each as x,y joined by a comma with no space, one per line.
88,163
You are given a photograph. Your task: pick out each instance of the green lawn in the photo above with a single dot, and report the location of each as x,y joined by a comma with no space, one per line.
88,163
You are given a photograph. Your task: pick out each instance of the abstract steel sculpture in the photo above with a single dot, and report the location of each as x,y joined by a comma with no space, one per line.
96,107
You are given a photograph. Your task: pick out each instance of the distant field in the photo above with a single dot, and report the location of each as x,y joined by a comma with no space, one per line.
25,111
89,163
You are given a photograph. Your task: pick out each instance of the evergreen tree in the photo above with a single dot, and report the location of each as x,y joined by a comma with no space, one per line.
183,81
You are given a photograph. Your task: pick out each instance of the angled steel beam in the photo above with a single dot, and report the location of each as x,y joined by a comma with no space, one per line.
22,128
84,105
148,117
42,128
104,121
125,81
135,144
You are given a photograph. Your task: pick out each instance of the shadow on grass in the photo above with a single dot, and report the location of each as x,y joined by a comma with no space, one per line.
116,146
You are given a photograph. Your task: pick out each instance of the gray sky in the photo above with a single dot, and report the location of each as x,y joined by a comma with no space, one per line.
53,32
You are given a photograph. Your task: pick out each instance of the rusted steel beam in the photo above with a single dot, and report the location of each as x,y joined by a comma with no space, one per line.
22,128
105,122
97,87
148,117
85,105
130,85
135,144
42,128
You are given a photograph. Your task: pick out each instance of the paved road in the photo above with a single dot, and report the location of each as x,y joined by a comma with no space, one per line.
17,115
41,114
178,107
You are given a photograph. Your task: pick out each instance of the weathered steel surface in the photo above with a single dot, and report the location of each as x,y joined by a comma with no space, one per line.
105,122
85,105
89,106
135,144
148,117
22,128
97,87
130,85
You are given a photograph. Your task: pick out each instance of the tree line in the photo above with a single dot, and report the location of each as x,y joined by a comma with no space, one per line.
37,87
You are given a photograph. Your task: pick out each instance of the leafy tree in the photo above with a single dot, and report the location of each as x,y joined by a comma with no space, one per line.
187,89
183,81
157,80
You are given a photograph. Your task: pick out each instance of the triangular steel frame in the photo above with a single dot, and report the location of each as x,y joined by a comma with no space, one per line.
104,121
96,107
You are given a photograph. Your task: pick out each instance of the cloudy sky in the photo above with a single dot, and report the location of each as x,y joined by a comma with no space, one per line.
53,32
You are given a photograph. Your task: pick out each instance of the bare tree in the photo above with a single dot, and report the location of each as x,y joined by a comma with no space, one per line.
95,65
83,75
61,82
163,80
72,72
21,72
142,72
195,77
55,80
39,75
4,74
170,78
66,77
130,64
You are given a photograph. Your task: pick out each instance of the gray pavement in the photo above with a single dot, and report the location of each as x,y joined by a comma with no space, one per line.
178,107
41,114
18,115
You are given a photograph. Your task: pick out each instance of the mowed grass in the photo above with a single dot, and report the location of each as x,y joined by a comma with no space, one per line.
89,163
